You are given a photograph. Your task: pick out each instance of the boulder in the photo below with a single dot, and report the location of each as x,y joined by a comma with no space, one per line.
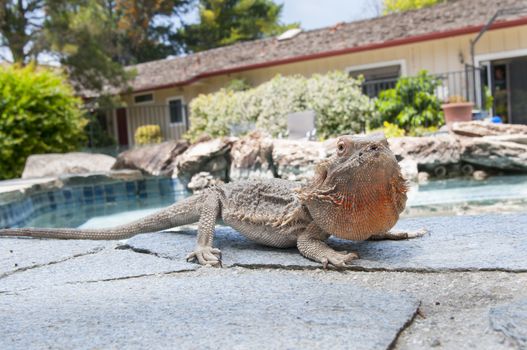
201,181
494,154
479,129
427,151
211,156
409,169
158,160
295,160
56,164
519,138
251,157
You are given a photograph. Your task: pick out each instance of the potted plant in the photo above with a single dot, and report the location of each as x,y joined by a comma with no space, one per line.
457,109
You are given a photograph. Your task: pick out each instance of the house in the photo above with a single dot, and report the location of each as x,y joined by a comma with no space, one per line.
382,49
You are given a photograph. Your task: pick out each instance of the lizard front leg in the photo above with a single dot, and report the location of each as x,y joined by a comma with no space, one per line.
204,253
396,235
311,244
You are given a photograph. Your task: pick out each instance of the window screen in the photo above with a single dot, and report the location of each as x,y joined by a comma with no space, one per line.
176,111
143,98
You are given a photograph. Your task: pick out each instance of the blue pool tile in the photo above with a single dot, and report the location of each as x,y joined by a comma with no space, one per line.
68,195
87,192
130,187
99,192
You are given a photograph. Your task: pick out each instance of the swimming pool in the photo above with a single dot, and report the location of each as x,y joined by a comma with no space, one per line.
118,202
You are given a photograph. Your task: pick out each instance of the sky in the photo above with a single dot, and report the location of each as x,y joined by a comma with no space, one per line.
314,14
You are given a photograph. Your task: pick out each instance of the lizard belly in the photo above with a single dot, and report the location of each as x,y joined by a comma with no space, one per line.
264,234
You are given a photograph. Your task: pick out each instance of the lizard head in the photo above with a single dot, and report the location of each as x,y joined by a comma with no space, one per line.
357,192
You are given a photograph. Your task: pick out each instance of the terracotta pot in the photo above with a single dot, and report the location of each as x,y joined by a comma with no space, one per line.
458,112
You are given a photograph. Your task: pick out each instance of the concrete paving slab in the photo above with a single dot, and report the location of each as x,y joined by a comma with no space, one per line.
106,265
511,321
489,242
18,254
217,310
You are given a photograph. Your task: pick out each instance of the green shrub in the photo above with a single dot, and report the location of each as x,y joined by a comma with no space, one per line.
148,134
337,100
412,103
389,130
38,114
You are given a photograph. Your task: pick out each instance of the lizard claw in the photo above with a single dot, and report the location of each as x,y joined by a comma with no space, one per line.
338,259
206,256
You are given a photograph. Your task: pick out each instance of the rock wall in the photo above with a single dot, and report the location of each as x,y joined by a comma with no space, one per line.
490,148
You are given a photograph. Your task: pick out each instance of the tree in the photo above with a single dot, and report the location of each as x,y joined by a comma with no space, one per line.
391,6
38,114
92,39
224,22
21,28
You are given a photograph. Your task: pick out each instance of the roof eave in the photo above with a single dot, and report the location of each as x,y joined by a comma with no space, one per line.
373,46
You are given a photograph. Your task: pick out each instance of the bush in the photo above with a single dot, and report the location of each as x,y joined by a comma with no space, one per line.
148,134
412,103
38,114
389,130
337,100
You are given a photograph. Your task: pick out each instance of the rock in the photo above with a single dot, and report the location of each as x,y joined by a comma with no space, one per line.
210,156
511,321
409,169
479,128
427,151
494,154
155,160
520,138
201,181
251,157
205,310
454,243
55,164
295,160
423,177
480,175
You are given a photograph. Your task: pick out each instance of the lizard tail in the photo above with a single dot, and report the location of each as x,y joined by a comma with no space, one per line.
184,212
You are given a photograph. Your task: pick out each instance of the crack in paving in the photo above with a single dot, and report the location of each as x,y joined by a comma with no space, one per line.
407,325
36,266
133,277
144,251
357,268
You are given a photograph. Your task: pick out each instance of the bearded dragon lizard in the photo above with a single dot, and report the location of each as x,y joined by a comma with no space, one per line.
356,194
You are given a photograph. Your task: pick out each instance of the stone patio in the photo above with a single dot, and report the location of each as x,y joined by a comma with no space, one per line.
463,286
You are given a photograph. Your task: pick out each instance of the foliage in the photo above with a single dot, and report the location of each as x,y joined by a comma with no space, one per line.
98,135
237,85
489,99
389,130
456,99
92,39
148,134
423,130
20,29
391,6
412,103
337,100
38,114
224,22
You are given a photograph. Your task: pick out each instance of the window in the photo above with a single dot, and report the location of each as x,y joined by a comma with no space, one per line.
377,79
175,108
376,74
144,98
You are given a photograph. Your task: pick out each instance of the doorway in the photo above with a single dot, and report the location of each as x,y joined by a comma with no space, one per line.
122,127
508,85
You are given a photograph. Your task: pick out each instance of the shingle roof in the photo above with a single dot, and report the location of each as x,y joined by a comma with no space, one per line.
451,18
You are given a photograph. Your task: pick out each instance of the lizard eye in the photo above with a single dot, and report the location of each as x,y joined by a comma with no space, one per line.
341,147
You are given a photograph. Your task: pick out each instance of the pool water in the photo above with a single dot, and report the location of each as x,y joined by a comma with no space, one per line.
437,198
